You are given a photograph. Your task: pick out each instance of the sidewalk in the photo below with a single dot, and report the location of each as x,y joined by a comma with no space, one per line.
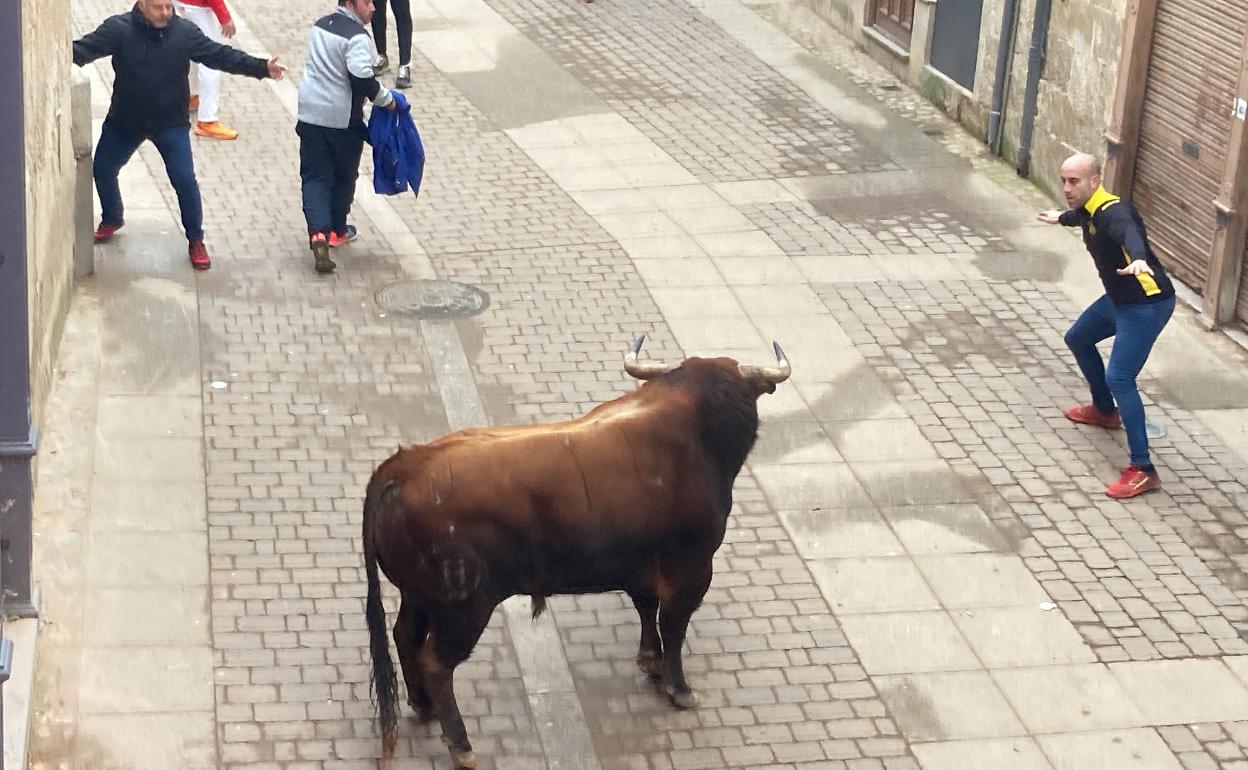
921,569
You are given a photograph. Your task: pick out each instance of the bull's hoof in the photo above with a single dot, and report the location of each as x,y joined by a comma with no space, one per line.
650,664
464,760
685,700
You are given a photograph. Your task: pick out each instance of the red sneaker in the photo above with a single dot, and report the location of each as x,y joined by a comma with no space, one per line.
1090,415
336,240
104,233
199,255
1133,482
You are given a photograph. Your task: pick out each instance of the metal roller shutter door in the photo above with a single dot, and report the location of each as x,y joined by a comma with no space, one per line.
1185,127
1241,307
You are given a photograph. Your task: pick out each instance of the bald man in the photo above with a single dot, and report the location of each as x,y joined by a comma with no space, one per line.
1137,303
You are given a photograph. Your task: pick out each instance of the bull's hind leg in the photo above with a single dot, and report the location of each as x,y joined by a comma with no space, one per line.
687,584
410,630
454,631
650,650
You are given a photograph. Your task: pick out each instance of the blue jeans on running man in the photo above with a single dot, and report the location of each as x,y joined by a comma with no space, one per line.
1134,327
114,150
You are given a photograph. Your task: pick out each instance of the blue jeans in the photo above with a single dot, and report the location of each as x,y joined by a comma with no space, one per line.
1134,327
114,150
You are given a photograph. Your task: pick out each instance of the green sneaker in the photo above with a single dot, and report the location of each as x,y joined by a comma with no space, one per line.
380,64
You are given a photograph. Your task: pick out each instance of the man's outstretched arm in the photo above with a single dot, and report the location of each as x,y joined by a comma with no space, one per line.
229,59
98,44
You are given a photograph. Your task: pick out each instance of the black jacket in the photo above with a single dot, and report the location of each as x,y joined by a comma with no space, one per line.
1115,236
151,89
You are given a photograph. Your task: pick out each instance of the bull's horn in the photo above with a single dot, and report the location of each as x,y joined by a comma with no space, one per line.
646,371
775,374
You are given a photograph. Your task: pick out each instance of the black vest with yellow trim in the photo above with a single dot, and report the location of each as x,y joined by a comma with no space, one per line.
1115,236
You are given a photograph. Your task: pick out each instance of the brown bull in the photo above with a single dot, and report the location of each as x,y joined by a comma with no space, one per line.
634,496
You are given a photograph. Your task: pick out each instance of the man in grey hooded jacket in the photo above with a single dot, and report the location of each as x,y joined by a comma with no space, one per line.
338,78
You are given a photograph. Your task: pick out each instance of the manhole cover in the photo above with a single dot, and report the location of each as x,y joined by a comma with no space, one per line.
433,299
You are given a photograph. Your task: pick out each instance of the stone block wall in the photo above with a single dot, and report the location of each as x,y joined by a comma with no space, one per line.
50,172
1076,92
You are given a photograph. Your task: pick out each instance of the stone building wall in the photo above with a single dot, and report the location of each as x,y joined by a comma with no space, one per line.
46,64
1076,92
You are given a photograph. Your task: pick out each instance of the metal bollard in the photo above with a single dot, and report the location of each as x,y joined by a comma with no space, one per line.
80,135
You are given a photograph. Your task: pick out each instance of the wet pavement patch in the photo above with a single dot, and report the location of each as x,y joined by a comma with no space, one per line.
1008,265
1205,389
433,299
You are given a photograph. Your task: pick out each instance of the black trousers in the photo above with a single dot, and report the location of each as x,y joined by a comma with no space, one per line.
329,164
402,18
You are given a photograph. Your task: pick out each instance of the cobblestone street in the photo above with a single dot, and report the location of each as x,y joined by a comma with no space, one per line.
921,569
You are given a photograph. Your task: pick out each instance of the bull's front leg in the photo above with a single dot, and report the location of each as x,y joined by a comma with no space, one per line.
650,650
689,584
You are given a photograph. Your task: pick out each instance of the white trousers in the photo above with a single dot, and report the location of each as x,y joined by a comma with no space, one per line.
209,79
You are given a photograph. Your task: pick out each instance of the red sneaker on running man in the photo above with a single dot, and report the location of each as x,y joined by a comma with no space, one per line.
1090,415
1133,481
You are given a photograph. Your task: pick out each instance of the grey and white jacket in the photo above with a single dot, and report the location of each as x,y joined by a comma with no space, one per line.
338,75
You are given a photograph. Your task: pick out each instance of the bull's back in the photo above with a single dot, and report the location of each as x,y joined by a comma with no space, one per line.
550,510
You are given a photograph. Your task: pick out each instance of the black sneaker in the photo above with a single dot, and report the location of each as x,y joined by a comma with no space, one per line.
380,64
404,80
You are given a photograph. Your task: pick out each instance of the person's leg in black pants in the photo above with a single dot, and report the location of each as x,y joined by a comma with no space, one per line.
403,26
316,173
379,37
403,21
348,146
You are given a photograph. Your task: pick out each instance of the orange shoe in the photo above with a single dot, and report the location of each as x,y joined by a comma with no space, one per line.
336,240
1090,415
193,102
215,130
1133,482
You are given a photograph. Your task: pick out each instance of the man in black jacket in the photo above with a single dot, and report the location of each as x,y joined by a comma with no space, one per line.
152,51
1138,301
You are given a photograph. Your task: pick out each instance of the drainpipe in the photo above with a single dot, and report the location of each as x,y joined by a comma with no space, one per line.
1005,55
17,436
1035,68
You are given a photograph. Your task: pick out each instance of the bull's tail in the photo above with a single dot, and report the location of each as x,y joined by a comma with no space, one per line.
385,682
